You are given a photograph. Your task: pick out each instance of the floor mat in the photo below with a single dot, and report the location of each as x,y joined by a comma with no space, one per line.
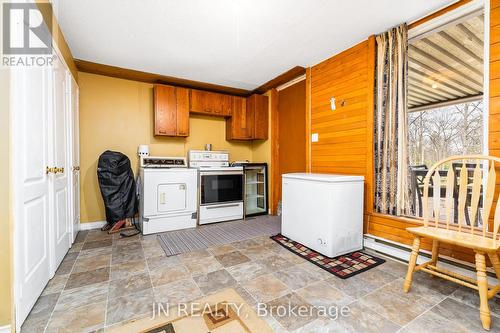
205,236
344,266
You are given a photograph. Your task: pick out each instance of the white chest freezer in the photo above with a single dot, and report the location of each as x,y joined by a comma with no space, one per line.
323,211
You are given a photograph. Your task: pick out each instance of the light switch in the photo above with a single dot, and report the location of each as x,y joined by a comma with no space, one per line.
315,137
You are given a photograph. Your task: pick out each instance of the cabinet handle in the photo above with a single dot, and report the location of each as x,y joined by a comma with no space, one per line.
162,132
76,168
59,170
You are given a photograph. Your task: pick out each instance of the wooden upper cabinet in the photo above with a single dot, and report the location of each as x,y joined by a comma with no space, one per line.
249,120
240,125
171,111
259,104
210,103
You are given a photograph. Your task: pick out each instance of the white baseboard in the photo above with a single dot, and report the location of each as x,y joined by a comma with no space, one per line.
5,329
92,225
402,252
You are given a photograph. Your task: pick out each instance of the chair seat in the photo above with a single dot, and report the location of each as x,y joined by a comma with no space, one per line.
464,239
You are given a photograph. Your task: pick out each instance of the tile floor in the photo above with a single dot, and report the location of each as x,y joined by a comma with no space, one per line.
106,281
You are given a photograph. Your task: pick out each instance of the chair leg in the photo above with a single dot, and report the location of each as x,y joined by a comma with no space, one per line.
411,264
435,254
482,284
495,262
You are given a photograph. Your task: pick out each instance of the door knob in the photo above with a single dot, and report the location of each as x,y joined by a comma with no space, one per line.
50,170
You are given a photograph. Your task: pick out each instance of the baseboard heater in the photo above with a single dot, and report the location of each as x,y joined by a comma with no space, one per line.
401,252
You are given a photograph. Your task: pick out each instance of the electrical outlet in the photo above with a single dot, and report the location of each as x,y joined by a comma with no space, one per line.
315,137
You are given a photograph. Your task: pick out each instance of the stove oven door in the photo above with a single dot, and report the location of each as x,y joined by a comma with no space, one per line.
221,187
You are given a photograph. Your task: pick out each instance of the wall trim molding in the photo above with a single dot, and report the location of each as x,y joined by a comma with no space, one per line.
5,329
91,226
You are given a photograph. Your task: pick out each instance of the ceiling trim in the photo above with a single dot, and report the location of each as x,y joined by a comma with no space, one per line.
280,79
434,15
130,74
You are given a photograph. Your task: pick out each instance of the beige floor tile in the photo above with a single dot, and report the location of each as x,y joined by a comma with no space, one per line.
256,252
165,274
120,257
245,294
85,264
176,292
195,254
450,316
86,318
77,280
281,310
198,266
355,318
296,277
129,285
130,307
77,297
398,309
247,271
221,249
359,285
56,284
471,297
274,262
232,258
163,260
322,294
246,243
97,244
128,269
265,288
214,281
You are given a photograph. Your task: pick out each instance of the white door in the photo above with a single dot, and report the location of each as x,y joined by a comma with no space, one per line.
61,146
75,157
30,115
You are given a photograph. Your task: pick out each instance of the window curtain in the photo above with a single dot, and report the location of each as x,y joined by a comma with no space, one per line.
391,134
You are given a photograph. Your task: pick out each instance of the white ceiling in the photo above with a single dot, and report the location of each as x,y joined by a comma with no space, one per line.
237,43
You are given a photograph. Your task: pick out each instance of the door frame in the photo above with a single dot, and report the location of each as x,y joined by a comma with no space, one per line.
275,150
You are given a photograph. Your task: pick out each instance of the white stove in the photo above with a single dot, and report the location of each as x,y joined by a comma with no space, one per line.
220,186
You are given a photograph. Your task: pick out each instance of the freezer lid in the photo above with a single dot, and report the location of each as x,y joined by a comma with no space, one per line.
324,177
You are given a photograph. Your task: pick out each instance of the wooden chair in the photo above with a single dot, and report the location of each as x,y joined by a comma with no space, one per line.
483,240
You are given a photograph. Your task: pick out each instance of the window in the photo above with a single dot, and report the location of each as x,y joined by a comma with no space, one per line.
445,97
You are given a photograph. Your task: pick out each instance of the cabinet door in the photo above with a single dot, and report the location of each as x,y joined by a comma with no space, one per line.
210,103
259,105
165,109
182,97
240,125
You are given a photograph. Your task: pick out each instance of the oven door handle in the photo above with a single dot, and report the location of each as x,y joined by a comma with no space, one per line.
222,206
221,173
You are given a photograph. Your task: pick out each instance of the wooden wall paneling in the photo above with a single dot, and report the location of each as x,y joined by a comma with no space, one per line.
275,159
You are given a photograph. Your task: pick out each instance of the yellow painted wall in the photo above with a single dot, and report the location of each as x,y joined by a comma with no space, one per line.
6,230
117,114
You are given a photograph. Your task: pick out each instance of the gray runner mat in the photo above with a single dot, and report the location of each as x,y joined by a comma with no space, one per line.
205,236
